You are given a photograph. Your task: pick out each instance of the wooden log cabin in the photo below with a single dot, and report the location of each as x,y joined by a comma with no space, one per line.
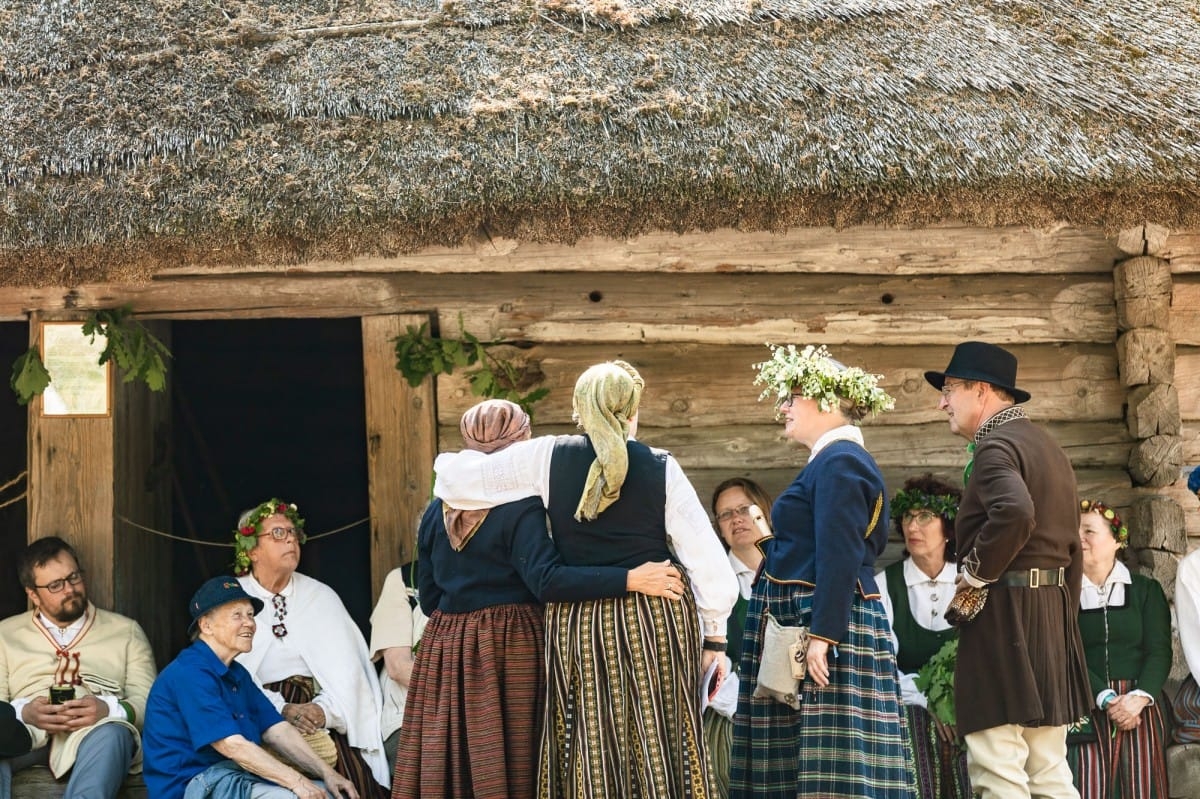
278,189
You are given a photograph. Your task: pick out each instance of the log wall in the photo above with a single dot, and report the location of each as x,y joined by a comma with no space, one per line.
693,312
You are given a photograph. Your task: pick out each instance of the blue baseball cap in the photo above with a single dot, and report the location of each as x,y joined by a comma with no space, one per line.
215,593
1194,481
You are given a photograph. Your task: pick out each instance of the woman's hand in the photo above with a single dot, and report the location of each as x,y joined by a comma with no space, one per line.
818,662
947,733
1126,711
307,718
655,579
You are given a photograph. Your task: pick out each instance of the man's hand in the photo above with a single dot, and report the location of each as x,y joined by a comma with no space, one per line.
307,718
84,712
338,785
45,716
307,789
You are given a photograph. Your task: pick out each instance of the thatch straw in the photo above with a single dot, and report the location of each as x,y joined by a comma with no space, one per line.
138,134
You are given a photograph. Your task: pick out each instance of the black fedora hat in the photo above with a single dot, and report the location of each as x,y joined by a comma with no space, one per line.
978,360
217,592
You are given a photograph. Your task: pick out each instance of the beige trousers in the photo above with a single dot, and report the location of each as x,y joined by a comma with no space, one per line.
1015,762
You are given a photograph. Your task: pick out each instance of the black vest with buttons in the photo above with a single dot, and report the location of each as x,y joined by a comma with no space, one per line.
627,533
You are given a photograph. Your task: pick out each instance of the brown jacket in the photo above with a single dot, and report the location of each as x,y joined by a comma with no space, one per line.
1020,661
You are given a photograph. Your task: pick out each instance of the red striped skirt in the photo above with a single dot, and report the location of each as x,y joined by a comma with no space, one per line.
1140,759
474,710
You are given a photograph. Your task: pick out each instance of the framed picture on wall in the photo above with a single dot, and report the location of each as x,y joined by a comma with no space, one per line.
79,384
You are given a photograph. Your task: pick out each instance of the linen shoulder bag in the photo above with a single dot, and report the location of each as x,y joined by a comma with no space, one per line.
783,664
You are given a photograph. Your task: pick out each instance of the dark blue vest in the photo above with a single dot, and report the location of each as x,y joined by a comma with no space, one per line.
627,533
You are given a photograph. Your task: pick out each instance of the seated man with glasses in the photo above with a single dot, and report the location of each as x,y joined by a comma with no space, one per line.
77,676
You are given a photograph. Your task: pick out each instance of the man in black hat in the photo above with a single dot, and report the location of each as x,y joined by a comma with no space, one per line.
1021,677
206,719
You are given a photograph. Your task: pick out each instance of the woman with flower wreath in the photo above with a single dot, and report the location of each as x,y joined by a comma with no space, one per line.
849,737
308,654
915,591
1125,625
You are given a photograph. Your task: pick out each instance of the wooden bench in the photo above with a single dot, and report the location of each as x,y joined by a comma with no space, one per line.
37,782
1183,771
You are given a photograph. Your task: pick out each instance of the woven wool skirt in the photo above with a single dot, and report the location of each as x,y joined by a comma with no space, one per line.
622,703
847,740
1122,764
941,767
475,704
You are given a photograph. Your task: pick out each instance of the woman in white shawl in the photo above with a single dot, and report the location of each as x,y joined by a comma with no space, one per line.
308,654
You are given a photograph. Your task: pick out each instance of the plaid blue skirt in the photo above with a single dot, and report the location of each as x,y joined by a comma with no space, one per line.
849,739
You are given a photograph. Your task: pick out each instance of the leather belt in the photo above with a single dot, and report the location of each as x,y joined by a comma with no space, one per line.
1034,578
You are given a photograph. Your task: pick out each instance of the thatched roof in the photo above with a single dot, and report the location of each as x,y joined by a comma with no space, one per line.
141,133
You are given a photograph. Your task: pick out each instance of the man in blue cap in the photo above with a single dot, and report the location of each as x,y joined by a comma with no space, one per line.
1020,677
207,720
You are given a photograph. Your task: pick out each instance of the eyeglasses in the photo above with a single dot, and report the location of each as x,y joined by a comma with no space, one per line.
948,388
727,515
788,401
281,533
57,586
921,517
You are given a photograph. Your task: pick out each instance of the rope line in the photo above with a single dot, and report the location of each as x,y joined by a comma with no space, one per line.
13,482
152,531
14,500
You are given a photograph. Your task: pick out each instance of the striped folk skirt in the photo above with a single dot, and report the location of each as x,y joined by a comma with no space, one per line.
475,707
1137,757
941,767
847,740
350,763
622,701
1186,710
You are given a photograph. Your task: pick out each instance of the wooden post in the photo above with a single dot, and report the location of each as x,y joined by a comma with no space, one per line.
401,445
71,485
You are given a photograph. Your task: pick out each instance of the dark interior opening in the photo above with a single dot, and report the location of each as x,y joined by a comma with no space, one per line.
14,432
270,408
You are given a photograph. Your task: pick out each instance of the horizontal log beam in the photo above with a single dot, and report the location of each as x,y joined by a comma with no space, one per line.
620,307
945,250
1185,311
759,446
703,385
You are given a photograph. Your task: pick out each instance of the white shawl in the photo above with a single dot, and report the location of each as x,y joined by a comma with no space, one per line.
333,648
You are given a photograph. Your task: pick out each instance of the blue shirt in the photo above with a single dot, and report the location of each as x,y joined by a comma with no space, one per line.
197,700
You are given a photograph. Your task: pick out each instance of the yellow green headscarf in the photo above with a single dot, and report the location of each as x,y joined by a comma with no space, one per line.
606,399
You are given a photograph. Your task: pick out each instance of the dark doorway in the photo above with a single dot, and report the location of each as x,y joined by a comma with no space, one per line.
14,459
269,408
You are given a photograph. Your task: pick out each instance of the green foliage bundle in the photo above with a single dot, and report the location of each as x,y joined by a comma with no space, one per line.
128,344
419,355
29,376
936,680
136,352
